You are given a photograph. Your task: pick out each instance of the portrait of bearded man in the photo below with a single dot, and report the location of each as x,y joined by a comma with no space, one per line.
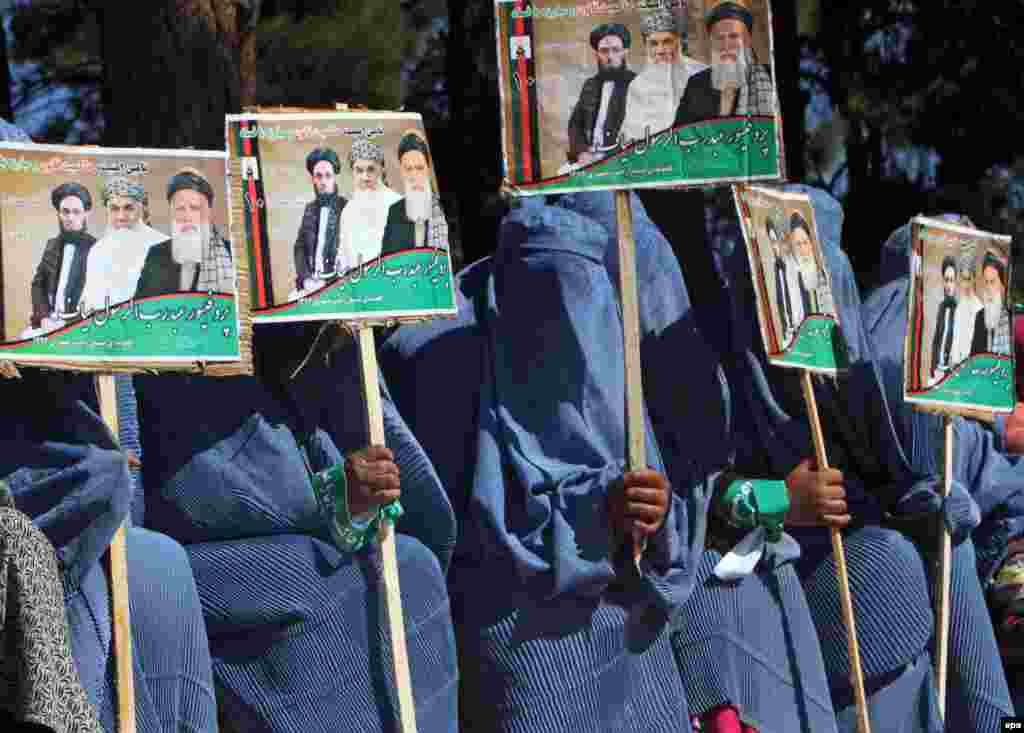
197,258
116,260
60,276
362,223
735,85
992,323
654,94
968,306
417,219
316,245
600,110
945,322
809,276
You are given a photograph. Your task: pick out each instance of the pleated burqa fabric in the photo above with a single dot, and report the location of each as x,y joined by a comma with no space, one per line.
66,472
978,695
297,628
520,402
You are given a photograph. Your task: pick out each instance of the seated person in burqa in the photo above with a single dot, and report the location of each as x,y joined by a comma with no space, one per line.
316,245
264,479
66,471
735,85
60,277
896,510
736,620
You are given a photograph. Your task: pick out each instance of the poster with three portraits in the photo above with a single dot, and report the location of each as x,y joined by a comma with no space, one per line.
615,94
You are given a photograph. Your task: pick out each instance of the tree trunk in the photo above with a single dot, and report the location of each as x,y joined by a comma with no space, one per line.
792,100
169,80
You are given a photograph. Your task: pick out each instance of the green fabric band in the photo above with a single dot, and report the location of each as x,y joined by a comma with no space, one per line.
351,534
751,503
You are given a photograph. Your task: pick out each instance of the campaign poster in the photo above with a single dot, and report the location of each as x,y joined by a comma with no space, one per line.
341,216
800,326
959,349
117,256
616,94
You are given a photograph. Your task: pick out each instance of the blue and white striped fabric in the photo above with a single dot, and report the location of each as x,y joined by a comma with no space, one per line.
519,401
65,471
728,646
296,627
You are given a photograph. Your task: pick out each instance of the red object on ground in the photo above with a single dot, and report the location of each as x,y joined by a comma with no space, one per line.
724,719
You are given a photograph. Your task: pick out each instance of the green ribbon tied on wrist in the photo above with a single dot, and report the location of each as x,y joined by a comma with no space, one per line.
351,534
759,506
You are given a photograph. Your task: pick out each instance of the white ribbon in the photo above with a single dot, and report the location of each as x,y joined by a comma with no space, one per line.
741,560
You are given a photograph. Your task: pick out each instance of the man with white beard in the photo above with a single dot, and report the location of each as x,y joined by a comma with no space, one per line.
992,324
968,305
196,258
808,276
361,227
735,85
316,246
417,220
654,94
115,262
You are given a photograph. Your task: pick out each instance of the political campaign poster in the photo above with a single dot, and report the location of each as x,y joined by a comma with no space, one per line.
799,323
959,350
617,94
117,256
341,215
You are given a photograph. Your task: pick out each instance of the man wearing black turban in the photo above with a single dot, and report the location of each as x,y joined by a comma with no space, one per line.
598,114
316,245
60,276
420,206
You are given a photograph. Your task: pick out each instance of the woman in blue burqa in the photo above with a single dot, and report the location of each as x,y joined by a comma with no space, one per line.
745,642
892,510
67,472
993,476
529,435
262,479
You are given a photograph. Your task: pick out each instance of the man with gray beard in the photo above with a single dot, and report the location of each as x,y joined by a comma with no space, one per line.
196,258
417,220
735,85
992,324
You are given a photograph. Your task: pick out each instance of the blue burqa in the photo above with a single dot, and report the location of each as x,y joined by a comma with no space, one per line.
66,471
750,643
888,575
296,626
994,479
520,402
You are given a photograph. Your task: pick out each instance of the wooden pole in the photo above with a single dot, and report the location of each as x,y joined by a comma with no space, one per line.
636,451
119,584
839,551
386,538
944,581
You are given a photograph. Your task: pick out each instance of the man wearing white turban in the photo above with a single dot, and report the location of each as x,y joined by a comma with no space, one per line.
115,262
361,227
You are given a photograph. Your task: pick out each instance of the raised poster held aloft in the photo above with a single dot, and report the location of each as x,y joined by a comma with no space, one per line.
614,94
342,216
797,314
118,257
959,351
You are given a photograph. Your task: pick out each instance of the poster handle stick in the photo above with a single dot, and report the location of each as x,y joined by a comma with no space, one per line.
122,631
386,538
944,581
636,451
839,551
